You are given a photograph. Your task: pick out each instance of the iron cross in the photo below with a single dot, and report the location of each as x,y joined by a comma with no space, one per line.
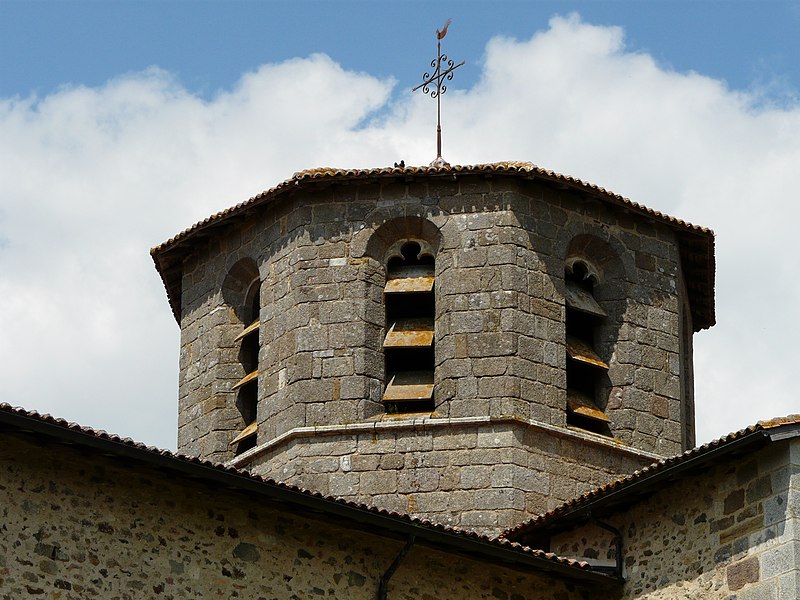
438,78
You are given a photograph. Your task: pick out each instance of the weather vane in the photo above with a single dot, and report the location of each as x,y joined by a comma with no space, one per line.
433,84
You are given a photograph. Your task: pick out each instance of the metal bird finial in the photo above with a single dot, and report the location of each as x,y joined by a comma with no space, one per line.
440,34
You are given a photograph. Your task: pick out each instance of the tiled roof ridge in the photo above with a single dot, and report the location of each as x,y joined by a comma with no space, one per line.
131,443
648,471
323,173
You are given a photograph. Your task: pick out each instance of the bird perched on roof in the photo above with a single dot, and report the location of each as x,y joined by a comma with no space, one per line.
440,34
400,165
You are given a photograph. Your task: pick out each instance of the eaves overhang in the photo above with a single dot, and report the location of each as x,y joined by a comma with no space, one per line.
696,243
302,502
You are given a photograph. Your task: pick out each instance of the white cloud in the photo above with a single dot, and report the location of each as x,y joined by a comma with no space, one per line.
92,177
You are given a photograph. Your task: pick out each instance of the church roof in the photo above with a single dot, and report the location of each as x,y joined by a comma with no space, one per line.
621,493
696,243
300,501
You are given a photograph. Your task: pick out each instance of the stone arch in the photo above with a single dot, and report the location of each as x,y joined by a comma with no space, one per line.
604,263
390,237
398,249
239,285
596,253
601,266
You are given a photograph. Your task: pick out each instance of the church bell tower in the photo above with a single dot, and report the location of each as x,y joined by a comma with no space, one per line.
470,344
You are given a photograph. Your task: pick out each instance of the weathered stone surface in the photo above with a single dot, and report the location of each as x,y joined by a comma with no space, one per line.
427,468
701,537
131,531
500,248
742,572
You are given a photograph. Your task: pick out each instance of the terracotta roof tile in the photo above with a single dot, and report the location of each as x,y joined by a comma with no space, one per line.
508,167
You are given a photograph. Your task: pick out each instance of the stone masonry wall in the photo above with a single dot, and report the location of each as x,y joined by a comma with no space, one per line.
78,525
729,533
478,475
501,246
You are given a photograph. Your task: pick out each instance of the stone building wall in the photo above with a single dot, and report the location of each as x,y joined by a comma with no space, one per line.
475,473
76,525
500,248
730,532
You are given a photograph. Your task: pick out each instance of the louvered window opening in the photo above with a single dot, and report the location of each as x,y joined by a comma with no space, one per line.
409,343
585,368
247,387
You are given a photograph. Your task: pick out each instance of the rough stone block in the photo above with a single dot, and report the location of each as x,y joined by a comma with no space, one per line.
492,344
479,519
391,461
365,462
468,407
777,560
323,465
496,438
326,447
476,477
789,586
416,441
411,481
373,483
758,489
777,509
344,484
500,498
377,445
447,440
733,501
759,591
435,502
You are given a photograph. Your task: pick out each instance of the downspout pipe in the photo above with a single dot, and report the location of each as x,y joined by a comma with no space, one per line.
617,543
383,582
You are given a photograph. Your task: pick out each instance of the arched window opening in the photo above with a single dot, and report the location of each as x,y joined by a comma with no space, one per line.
585,369
247,386
408,347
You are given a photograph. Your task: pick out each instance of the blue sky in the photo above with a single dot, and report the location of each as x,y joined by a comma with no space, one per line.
46,44
122,123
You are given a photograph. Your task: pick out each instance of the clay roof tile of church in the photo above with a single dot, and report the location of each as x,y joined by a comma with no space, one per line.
445,538
696,242
625,491
507,167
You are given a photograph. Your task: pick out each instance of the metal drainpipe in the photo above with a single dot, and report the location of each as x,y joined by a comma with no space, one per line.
384,580
617,543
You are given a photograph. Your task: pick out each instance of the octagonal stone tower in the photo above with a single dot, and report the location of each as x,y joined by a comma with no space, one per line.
470,344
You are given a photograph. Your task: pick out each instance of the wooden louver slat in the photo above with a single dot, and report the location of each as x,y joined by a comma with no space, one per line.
410,333
415,278
580,351
585,406
253,327
251,376
409,386
582,300
245,433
